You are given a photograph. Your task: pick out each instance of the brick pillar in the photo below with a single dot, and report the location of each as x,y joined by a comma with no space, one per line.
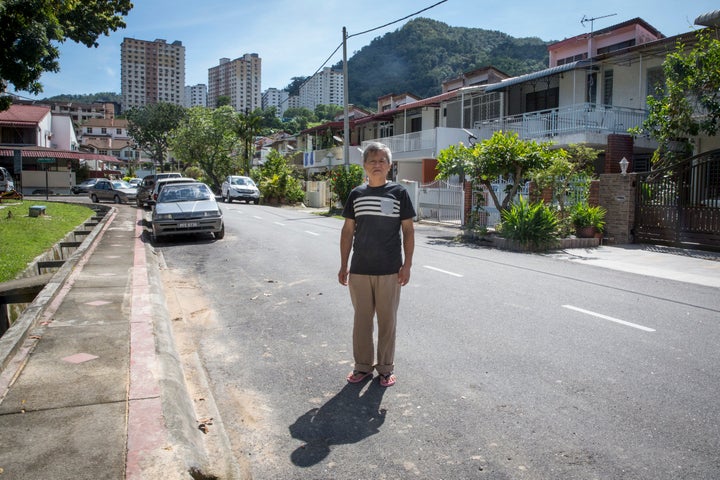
617,195
618,146
467,194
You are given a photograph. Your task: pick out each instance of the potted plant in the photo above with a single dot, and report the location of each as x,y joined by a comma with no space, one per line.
588,220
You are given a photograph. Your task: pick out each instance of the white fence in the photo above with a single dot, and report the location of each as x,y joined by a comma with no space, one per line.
483,207
441,201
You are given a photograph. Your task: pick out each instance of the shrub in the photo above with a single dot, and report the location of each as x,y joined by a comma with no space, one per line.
532,225
343,181
583,215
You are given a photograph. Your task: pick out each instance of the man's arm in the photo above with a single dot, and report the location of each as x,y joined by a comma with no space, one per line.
346,239
408,239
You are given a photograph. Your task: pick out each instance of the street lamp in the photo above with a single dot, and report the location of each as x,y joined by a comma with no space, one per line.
623,166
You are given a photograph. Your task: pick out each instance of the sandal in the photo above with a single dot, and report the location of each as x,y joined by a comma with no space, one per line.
357,376
387,379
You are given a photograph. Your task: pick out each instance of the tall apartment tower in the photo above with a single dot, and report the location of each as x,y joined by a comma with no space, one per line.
272,97
196,95
151,72
323,88
238,80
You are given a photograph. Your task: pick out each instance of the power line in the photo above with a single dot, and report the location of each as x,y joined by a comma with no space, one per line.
362,33
396,21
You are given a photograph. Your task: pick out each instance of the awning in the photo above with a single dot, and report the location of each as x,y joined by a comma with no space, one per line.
39,152
548,72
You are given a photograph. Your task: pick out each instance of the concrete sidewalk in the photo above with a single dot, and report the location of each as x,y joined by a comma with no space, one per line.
91,386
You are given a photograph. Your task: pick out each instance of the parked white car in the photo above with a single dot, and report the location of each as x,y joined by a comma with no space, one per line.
186,208
236,187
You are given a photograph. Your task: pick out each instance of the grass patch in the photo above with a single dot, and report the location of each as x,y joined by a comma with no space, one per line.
22,238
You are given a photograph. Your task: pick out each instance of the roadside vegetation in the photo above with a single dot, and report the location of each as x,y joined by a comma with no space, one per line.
22,238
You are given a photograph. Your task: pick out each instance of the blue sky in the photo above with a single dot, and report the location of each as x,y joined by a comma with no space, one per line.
295,37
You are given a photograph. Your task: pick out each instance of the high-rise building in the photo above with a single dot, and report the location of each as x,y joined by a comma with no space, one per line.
323,88
272,97
151,72
196,95
239,80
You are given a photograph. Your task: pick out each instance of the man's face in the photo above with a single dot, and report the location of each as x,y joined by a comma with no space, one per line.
377,167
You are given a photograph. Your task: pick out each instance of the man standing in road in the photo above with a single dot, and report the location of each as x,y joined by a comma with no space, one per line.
375,214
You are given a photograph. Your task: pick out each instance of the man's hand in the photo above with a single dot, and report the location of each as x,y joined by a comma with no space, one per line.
343,276
404,275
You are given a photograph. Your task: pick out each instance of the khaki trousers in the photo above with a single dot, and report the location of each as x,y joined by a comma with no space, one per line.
373,295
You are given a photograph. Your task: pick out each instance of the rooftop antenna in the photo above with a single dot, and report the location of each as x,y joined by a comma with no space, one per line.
592,28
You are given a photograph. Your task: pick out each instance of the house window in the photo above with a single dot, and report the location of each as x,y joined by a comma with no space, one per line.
656,82
103,130
416,124
118,131
385,129
542,100
88,129
608,87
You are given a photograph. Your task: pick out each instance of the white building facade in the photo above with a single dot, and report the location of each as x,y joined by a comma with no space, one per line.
196,95
151,72
323,88
239,80
272,97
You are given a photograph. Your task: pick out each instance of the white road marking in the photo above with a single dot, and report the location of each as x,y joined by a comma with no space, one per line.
278,223
442,271
612,319
255,216
312,233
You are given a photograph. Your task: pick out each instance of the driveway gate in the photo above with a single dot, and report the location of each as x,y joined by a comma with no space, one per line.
680,205
441,201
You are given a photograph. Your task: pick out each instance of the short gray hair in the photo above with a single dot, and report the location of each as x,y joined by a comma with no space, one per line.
373,147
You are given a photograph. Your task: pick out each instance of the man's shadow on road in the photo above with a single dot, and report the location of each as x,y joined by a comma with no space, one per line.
348,417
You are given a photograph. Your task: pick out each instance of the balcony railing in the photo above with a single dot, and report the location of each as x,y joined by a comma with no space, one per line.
578,118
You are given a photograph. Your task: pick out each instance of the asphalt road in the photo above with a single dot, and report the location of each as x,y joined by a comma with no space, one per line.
510,366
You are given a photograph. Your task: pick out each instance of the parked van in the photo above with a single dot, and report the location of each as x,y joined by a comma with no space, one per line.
6,181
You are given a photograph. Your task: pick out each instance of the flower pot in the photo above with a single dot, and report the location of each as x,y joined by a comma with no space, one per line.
586,232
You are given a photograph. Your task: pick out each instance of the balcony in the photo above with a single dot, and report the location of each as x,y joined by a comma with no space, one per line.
583,118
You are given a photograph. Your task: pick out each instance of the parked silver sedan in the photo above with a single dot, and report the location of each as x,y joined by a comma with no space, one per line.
187,208
117,191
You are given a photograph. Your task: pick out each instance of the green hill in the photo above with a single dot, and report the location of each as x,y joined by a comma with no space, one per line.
424,53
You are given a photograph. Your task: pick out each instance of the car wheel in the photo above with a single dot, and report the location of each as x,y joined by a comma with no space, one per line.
94,198
116,199
219,235
138,202
229,198
256,201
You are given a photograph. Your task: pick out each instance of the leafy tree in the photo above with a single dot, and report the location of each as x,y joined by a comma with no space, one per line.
207,138
222,100
688,104
503,155
277,181
150,127
293,87
327,112
342,181
247,128
31,30
300,112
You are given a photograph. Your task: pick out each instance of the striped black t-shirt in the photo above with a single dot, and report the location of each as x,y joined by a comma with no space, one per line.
378,213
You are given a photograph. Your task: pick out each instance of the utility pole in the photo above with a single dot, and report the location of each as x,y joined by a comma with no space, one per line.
346,109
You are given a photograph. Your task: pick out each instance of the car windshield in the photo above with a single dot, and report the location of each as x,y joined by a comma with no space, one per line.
185,193
121,184
241,181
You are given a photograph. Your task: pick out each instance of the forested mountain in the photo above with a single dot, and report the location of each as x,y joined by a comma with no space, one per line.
416,59
87,98
424,53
